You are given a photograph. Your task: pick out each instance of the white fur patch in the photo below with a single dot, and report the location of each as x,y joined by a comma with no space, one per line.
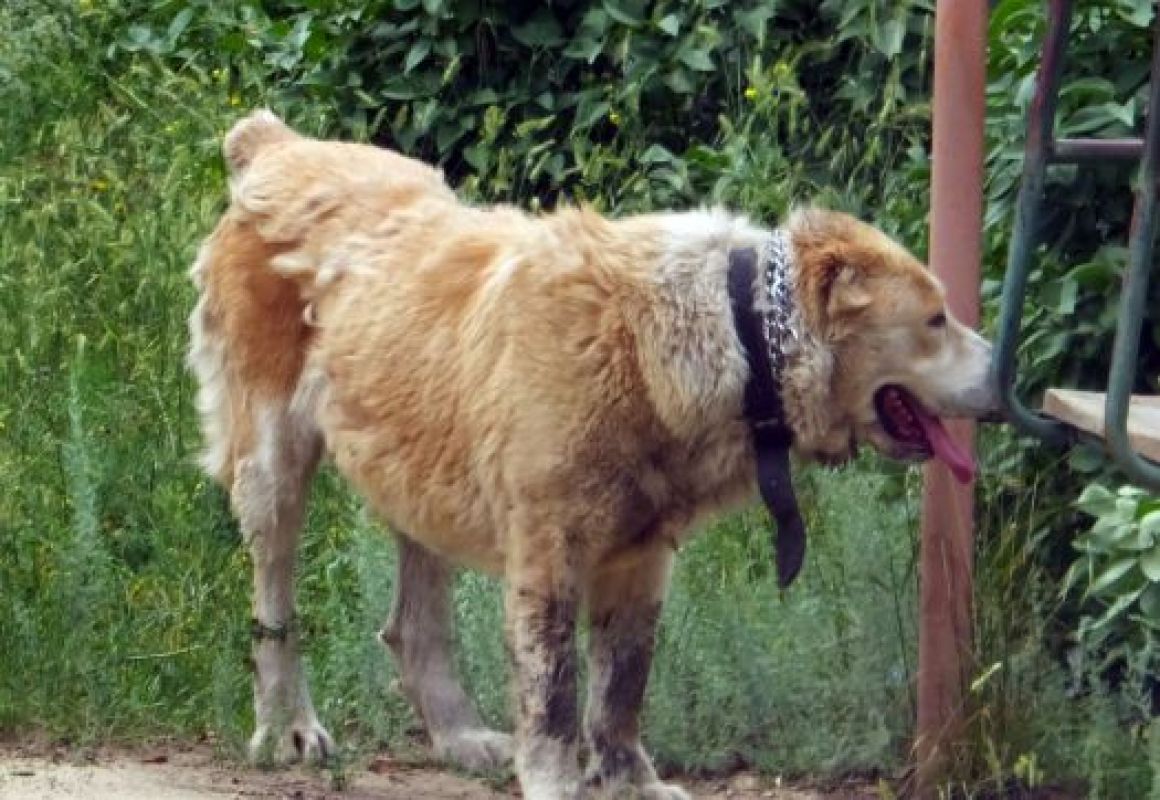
351,256
255,490
207,361
698,361
548,769
499,277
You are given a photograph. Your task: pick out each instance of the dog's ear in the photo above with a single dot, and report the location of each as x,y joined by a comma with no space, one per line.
844,288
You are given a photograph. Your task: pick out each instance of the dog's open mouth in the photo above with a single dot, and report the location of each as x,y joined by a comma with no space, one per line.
919,432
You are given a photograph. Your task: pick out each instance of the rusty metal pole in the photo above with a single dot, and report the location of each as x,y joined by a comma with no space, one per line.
948,507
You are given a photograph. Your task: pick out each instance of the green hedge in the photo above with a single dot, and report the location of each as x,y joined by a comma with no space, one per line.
624,103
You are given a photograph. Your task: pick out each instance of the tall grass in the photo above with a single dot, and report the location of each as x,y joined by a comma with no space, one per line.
124,587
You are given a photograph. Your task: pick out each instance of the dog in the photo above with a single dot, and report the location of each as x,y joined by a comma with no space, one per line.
558,400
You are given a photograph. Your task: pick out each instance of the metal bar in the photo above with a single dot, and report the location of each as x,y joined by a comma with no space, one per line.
956,226
1040,130
1134,295
1071,151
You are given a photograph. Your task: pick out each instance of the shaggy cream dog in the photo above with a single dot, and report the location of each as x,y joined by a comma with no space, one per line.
556,399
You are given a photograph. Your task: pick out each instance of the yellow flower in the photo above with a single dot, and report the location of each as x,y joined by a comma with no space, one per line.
99,185
750,93
614,118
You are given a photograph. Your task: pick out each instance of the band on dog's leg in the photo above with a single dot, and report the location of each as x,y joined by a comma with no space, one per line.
419,634
541,623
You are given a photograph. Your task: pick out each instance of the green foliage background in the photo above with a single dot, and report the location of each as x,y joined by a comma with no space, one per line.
121,576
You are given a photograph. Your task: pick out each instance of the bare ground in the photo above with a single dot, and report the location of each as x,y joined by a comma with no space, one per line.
195,772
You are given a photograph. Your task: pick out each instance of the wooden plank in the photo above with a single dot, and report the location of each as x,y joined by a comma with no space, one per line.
1085,410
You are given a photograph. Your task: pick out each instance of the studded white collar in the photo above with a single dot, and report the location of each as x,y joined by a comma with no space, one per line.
777,304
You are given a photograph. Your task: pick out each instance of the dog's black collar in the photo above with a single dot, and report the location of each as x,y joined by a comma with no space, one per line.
764,326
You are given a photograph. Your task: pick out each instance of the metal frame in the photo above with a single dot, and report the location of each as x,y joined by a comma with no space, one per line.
1042,151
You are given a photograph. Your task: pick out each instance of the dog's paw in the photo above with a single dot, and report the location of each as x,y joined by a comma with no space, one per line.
475,749
649,791
663,791
303,740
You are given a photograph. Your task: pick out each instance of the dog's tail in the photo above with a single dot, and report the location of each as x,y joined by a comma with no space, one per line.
251,135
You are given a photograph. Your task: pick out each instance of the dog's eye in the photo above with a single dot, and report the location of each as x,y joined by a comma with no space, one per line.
939,320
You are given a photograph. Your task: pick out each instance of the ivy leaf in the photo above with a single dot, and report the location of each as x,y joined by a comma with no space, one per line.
1089,90
416,54
1096,501
584,48
657,154
595,22
410,88
1116,609
482,97
754,20
478,156
694,58
1068,291
448,133
1078,568
1108,535
888,38
1150,527
1109,576
679,81
1138,13
670,24
1150,564
588,113
541,30
178,25
1150,601
627,12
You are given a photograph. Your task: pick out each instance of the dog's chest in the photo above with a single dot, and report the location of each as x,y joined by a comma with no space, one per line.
663,496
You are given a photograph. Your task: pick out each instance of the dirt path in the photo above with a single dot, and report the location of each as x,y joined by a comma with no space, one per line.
195,773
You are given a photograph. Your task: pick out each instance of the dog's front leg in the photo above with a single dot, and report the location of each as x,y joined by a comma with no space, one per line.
624,608
541,605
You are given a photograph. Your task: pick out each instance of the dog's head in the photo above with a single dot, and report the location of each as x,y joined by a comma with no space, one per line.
900,360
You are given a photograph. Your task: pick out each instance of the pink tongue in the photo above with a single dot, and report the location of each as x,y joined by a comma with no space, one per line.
945,448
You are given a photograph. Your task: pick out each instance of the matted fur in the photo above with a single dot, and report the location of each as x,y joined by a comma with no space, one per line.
554,399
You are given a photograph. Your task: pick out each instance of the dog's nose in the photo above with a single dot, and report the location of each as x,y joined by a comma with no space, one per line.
994,411
995,416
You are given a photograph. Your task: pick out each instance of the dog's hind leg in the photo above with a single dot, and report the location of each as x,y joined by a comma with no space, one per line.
419,634
624,607
248,349
270,486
